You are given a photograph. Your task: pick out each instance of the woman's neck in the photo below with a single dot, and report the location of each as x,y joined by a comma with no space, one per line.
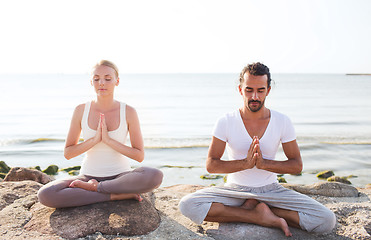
105,103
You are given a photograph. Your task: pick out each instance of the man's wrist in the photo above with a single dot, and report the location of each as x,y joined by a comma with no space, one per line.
247,164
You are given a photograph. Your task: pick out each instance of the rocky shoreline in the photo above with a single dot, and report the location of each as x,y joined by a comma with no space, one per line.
158,217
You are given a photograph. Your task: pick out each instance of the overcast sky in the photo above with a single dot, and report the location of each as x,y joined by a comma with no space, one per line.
191,36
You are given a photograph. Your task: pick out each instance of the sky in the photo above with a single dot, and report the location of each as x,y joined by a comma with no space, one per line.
190,36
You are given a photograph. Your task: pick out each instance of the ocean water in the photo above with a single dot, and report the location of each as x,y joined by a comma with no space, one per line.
331,114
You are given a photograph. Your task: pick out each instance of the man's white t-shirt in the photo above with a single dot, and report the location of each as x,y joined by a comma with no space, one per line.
231,129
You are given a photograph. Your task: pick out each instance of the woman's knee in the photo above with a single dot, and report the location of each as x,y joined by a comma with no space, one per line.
157,177
46,196
154,176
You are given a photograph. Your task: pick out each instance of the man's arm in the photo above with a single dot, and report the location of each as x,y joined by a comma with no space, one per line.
214,164
293,164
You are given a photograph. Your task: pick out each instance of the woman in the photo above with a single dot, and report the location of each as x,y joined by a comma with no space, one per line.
105,172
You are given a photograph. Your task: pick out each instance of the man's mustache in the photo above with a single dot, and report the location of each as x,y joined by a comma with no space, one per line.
254,101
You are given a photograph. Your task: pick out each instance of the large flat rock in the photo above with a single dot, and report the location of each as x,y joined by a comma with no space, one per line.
125,217
23,217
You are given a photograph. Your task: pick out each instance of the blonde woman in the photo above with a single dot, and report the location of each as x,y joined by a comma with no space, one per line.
105,172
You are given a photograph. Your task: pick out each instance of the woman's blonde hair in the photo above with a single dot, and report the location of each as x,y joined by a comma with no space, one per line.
108,64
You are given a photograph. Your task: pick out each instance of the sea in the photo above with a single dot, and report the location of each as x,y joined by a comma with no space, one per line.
331,114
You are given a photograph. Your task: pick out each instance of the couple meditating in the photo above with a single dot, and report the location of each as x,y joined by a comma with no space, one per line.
252,135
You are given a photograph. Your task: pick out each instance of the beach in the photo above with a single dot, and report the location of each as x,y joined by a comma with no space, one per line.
330,112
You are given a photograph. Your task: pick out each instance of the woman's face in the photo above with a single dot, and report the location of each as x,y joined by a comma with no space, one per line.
104,80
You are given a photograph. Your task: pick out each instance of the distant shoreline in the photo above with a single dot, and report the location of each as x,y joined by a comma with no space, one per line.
361,74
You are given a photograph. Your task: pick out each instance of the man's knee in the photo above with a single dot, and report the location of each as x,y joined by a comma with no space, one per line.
327,224
323,223
185,204
188,207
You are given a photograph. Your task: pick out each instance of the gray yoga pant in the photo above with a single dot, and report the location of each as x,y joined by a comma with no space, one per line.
314,217
58,194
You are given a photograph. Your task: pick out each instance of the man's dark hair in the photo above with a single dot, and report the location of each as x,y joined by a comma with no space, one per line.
256,69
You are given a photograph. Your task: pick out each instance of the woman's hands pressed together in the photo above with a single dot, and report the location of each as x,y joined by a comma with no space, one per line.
102,132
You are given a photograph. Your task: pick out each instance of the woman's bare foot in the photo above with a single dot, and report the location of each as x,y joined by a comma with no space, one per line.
91,185
122,196
250,204
269,219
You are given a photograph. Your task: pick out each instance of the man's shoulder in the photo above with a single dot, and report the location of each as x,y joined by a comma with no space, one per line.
280,118
232,114
278,114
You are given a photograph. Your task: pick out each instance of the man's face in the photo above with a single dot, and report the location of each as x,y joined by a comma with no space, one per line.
254,90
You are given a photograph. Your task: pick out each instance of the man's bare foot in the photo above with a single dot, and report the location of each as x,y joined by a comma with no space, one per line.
269,219
91,185
250,204
122,196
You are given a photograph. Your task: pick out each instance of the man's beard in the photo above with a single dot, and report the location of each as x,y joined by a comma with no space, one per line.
257,108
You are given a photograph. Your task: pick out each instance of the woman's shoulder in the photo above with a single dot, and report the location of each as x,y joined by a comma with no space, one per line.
130,112
79,110
80,107
130,109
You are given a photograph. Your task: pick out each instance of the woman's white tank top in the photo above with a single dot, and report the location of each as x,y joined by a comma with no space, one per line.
101,160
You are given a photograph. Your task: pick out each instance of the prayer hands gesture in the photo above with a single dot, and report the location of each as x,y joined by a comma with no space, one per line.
102,132
254,155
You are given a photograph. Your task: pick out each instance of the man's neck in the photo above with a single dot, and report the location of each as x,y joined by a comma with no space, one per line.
247,114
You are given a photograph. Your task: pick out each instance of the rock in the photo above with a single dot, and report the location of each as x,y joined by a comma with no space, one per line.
353,217
168,198
298,174
11,191
36,168
368,185
325,174
354,220
51,170
126,217
281,180
211,176
330,189
339,179
21,174
70,169
3,167
74,172
237,231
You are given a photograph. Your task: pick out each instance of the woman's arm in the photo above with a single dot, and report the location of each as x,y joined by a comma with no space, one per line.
72,147
136,151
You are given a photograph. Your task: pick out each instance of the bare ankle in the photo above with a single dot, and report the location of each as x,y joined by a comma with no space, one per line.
123,196
250,204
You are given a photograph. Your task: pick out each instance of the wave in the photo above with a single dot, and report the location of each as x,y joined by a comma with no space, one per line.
150,143
307,142
37,140
339,140
176,146
333,123
347,143
23,141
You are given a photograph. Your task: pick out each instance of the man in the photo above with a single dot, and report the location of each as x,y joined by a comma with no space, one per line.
252,194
